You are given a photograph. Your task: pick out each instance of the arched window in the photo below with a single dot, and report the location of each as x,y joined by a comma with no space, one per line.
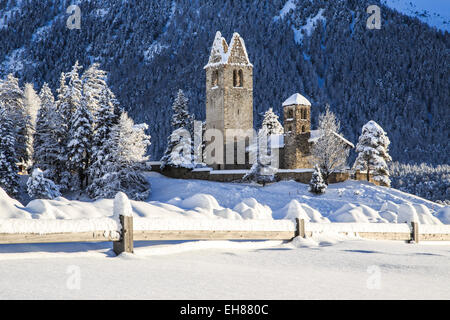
215,78
238,78
303,128
291,113
290,129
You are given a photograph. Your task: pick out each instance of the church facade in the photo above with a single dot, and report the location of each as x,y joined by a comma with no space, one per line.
229,110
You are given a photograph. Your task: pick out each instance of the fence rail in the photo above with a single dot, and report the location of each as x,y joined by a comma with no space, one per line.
123,233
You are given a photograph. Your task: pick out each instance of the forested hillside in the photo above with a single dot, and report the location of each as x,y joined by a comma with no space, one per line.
397,76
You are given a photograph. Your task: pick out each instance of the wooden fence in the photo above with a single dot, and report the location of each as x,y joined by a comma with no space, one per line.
125,234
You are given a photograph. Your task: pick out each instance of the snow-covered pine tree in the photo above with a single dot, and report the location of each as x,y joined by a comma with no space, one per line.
80,144
373,152
12,98
32,102
271,123
329,151
181,118
127,148
105,120
317,184
262,170
62,117
94,83
179,151
69,100
45,140
39,187
8,168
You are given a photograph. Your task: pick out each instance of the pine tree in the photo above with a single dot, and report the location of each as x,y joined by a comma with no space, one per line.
94,83
127,146
317,184
180,149
181,117
62,121
329,151
271,123
68,103
45,139
39,187
32,102
262,170
373,152
12,98
105,120
8,168
80,145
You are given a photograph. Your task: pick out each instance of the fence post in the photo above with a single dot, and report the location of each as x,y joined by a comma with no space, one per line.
415,231
300,228
124,212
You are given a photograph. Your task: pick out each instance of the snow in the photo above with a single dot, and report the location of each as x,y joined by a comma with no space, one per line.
181,202
46,226
295,209
309,27
444,215
290,4
321,267
276,141
122,206
220,54
296,99
324,266
155,49
315,135
435,13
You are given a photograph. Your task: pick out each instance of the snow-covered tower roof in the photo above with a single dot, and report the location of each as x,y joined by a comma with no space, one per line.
219,49
296,99
234,54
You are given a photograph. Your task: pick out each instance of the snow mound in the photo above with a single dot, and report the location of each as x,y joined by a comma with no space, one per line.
295,209
356,213
390,216
227,214
10,208
444,215
201,200
251,209
43,209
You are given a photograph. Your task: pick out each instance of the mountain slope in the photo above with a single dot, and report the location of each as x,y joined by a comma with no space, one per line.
397,76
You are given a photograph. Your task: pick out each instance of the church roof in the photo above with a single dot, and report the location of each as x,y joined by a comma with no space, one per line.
296,99
315,135
221,53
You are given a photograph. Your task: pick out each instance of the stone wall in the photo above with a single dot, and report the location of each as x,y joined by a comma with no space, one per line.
297,151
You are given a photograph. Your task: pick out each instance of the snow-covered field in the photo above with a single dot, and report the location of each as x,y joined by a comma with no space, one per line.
175,199
324,267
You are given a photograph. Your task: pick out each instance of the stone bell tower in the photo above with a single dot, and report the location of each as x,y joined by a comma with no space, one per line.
229,95
297,129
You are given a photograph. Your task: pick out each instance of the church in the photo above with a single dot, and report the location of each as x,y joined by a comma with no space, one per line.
229,108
